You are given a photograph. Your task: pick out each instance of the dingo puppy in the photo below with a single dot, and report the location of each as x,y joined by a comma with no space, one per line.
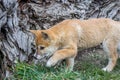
64,39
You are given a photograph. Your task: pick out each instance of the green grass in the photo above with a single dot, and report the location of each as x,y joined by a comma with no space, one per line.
86,69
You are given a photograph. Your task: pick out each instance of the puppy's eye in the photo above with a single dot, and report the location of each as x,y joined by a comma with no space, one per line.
41,48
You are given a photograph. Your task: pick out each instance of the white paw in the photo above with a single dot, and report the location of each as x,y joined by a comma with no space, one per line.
106,69
48,64
51,63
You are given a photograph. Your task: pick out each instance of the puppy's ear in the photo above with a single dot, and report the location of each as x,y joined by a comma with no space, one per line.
34,32
44,35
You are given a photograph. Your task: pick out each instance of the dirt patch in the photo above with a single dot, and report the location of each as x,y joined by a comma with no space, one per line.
94,56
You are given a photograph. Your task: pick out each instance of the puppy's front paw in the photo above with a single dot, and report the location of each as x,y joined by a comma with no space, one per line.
51,62
106,69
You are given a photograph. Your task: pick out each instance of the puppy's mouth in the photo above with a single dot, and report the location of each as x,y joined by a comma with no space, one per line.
41,57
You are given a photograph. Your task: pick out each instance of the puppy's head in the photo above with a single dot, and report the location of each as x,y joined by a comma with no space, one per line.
44,42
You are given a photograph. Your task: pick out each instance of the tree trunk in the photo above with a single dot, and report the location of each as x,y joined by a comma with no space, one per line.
17,44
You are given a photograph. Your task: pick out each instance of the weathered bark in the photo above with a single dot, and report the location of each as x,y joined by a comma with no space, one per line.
42,14
16,44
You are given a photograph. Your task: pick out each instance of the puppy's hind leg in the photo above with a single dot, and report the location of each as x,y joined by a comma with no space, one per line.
110,47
